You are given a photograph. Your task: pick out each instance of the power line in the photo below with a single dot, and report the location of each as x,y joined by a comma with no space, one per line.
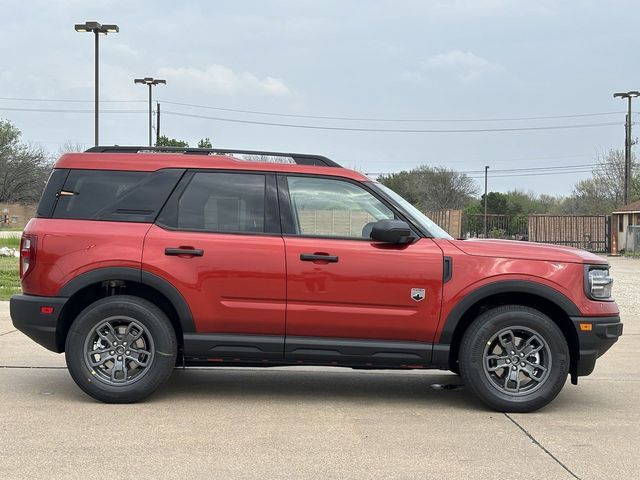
550,167
328,117
549,170
60,110
535,174
393,130
67,100
376,119
326,127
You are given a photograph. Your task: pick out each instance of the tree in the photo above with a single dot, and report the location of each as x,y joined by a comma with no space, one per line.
23,168
516,202
164,141
205,143
71,147
432,188
604,191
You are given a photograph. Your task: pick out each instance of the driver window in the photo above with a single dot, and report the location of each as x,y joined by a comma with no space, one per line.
334,208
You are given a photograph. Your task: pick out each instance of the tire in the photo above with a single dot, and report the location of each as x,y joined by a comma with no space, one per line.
100,356
541,358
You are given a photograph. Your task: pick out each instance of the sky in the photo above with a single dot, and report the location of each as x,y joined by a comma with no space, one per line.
437,68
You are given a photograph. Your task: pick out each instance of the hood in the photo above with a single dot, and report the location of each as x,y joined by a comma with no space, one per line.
526,251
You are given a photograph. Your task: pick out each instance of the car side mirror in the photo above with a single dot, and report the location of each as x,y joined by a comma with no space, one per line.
392,231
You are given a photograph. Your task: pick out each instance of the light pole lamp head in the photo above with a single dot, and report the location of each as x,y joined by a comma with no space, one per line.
629,94
96,27
112,28
149,81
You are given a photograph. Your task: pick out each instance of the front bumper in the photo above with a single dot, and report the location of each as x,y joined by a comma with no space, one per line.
594,339
28,317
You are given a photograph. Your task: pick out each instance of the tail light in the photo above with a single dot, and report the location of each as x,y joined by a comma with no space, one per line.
27,254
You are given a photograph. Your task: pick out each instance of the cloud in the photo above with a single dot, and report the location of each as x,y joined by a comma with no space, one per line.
465,66
219,79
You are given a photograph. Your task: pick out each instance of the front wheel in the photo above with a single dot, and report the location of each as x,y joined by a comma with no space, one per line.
120,349
514,358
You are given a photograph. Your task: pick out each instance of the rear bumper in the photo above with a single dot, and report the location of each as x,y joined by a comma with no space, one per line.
27,316
604,332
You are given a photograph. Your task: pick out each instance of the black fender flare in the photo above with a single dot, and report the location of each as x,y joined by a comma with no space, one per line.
134,275
504,286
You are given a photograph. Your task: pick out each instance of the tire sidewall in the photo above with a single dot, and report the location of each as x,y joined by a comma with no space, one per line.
487,326
157,326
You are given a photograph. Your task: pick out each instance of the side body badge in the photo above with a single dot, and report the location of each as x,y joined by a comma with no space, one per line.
417,294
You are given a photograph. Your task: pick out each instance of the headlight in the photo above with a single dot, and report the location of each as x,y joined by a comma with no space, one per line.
598,283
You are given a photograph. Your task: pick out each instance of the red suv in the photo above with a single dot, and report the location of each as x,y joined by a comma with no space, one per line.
143,259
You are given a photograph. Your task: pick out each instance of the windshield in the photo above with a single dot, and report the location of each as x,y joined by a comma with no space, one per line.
416,215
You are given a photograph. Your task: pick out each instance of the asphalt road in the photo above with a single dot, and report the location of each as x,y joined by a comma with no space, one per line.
317,422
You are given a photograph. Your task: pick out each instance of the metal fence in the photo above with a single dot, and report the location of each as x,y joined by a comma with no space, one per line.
498,226
588,232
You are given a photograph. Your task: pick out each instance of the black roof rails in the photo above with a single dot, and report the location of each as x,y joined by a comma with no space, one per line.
299,158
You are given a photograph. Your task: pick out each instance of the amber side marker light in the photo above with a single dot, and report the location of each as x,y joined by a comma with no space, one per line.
586,327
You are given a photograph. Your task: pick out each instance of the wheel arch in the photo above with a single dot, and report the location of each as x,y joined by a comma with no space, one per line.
547,300
90,286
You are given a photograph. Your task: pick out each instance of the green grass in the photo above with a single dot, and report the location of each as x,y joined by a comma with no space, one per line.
9,270
9,277
12,242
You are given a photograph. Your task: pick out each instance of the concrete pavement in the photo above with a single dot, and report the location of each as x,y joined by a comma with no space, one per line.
307,422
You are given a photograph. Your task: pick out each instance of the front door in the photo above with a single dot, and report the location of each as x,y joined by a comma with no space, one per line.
351,300
218,242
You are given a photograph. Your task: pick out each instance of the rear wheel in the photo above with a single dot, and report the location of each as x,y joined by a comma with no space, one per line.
120,349
514,358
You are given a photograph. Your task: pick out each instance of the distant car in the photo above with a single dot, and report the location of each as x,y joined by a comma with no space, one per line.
142,259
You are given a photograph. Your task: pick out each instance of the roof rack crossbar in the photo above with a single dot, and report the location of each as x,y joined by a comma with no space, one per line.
299,158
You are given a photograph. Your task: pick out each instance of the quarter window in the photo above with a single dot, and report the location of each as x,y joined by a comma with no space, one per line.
334,208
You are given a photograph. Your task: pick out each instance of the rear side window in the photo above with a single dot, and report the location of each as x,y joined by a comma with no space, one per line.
50,192
115,195
219,202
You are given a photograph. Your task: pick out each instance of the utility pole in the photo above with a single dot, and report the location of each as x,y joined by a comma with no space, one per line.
486,172
157,123
626,195
150,82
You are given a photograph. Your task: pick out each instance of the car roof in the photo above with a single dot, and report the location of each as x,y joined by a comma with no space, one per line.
152,161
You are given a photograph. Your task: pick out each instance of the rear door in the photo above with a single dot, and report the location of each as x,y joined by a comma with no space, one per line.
351,300
218,242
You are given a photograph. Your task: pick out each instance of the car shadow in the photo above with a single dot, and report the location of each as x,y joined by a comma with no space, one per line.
319,385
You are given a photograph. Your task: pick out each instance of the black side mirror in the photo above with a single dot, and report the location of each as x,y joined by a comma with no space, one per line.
392,231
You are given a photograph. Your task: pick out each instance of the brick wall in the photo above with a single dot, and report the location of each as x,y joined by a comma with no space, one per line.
16,215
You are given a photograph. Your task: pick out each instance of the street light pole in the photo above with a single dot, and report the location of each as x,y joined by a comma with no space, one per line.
97,29
96,95
626,195
486,172
150,82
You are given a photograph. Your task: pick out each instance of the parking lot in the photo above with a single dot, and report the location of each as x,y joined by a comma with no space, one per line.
309,422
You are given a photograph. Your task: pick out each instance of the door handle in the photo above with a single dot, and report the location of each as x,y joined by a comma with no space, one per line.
193,252
318,257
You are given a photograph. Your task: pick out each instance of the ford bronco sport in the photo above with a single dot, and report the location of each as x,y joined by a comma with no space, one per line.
140,260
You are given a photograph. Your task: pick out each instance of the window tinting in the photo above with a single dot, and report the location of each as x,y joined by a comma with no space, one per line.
50,192
334,208
222,202
115,195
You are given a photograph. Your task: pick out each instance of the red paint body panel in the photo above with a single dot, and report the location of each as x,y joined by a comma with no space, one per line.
147,162
367,293
237,286
526,251
471,272
68,248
